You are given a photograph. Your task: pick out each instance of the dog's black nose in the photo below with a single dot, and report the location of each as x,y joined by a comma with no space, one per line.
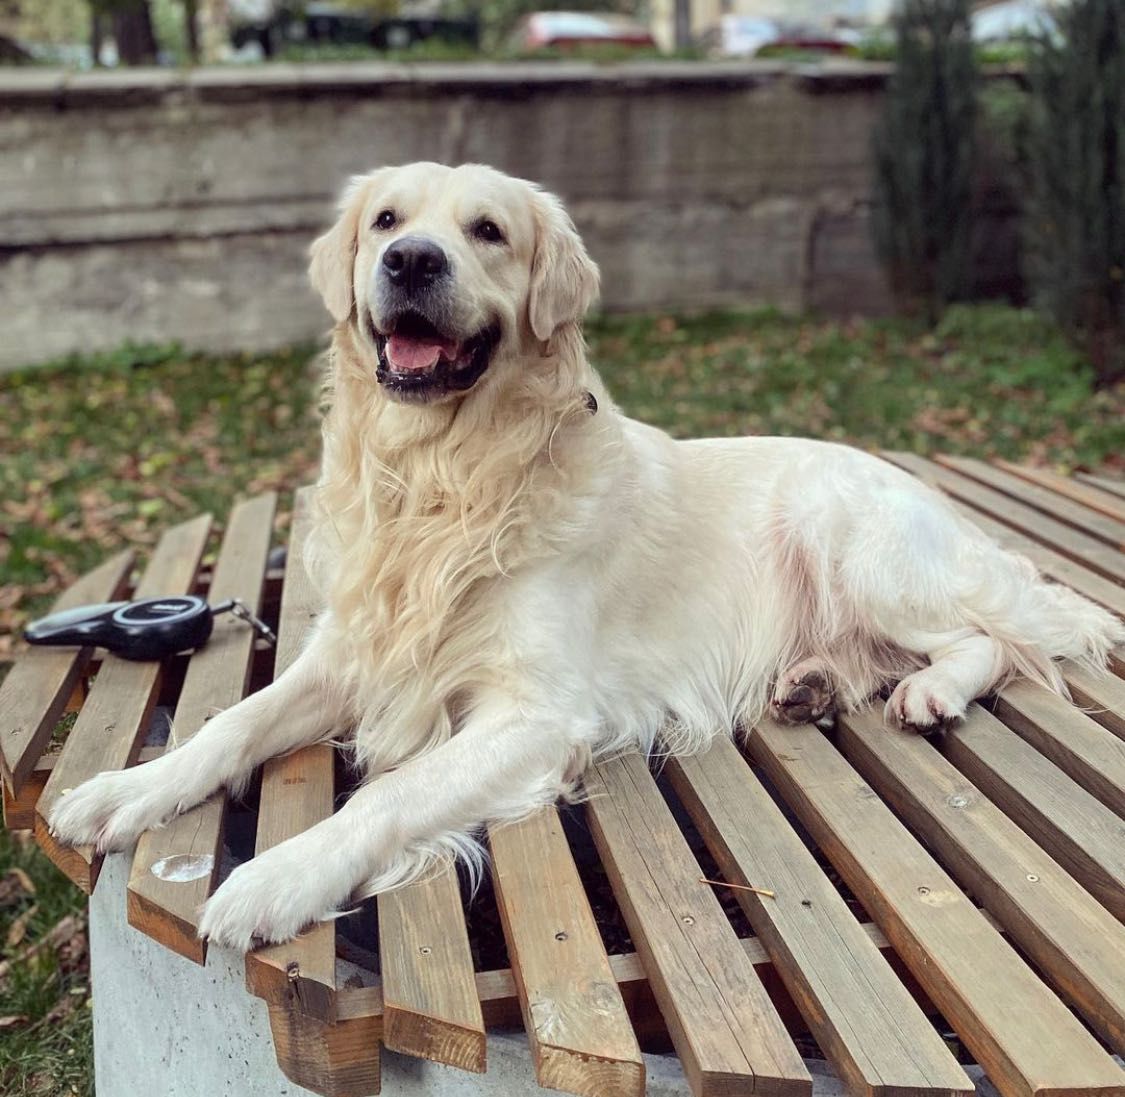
414,263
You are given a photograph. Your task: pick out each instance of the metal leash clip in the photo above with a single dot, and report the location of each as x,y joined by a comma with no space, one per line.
241,610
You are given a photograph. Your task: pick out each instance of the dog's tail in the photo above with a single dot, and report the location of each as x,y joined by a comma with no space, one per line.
1037,621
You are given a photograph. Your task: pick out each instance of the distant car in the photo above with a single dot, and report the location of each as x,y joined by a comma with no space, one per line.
570,29
752,36
274,23
1012,20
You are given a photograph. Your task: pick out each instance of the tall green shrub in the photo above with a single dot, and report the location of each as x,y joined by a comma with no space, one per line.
1076,214
923,149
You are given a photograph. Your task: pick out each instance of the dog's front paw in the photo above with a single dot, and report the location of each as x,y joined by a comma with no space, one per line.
924,702
271,899
110,811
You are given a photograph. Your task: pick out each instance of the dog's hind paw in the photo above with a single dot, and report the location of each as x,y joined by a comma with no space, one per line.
803,695
925,703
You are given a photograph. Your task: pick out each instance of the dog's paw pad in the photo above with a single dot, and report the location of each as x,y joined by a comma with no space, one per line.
803,695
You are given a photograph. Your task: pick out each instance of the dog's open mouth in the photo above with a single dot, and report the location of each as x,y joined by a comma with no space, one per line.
417,361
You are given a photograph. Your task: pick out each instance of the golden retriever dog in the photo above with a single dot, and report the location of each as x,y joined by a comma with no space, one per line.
517,578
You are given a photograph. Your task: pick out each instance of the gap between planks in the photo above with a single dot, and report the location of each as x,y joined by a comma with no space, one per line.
217,677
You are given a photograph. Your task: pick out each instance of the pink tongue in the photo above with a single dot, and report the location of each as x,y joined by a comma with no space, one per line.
405,353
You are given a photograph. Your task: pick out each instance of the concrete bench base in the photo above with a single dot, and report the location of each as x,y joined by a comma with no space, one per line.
164,1025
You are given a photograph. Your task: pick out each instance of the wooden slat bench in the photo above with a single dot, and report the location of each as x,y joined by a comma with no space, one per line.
906,889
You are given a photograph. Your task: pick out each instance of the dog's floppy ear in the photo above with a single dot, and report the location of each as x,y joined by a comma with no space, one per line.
564,279
332,256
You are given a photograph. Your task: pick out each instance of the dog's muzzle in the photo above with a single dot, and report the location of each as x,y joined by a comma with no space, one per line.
421,355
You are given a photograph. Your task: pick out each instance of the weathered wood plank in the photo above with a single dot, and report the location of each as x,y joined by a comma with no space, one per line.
430,1000
217,677
1103,483
36,690
1049,502
1081,748
581,1038
1024,1037
724,1027
19,811
1074,940
1083,835
298,791
1080,547
111,726
335,1060
828,963
1087,494
1101,696
1062,569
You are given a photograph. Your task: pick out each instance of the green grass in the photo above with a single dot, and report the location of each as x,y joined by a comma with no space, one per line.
99,453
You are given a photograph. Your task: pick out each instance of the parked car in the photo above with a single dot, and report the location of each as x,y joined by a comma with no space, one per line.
753,36
273,25
570,29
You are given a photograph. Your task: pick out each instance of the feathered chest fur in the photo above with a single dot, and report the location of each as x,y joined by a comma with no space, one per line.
423,511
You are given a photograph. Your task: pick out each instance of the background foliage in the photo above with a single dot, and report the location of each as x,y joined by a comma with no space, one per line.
924,156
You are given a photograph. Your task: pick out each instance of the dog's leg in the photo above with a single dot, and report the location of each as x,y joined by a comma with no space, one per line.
958,673
111,810
803,694
501,765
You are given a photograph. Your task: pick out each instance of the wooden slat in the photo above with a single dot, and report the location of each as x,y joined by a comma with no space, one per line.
36,690
722,1023
574,1016
826,960
1043,499
1086,494
19,811
1051,563
298,791
1074,940
1083,835
1024,1037
335,1060
1103,483
1081,748
217,678
1092,553
1101,696
111,726
431,1009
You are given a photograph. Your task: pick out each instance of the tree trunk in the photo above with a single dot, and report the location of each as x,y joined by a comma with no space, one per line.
132,30
97,36
191,30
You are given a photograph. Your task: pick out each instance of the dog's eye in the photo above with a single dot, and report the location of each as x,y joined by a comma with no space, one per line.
488,231
386,220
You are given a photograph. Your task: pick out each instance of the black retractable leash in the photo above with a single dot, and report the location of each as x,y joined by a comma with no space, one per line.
147,629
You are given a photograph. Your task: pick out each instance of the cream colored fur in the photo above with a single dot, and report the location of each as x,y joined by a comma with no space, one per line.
515,584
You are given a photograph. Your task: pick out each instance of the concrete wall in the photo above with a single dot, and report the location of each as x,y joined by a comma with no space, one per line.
161,206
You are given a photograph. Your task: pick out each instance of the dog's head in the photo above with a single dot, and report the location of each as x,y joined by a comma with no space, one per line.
447,273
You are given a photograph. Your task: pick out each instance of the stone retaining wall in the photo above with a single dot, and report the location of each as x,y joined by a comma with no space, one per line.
158,206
